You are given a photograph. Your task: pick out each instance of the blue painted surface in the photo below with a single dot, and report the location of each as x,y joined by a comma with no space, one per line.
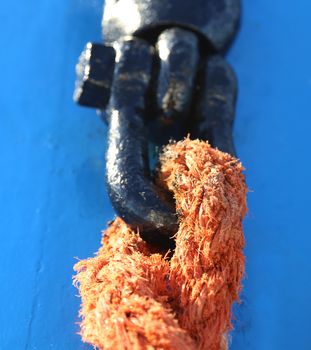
53,199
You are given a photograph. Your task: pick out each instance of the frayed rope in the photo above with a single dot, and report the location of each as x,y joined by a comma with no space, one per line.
135,299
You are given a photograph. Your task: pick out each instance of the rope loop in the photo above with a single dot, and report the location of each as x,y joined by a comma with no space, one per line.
137,297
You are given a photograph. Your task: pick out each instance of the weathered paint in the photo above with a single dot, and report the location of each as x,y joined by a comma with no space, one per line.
53,199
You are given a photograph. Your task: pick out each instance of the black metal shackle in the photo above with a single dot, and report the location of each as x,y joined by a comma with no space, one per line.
161,62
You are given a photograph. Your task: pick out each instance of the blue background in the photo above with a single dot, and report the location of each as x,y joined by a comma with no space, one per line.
53,199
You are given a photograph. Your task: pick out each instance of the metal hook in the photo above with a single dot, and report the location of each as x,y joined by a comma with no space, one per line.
166,72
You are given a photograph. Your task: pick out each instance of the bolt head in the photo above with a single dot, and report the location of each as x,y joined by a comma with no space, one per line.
94,75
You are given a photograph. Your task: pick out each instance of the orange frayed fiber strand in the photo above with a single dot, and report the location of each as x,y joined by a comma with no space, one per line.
135,299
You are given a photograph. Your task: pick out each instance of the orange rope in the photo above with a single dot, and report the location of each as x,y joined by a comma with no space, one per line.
135,299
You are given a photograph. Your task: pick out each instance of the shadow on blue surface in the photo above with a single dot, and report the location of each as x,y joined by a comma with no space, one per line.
53,199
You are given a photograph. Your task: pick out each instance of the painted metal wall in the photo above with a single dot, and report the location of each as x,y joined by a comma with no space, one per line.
53,199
